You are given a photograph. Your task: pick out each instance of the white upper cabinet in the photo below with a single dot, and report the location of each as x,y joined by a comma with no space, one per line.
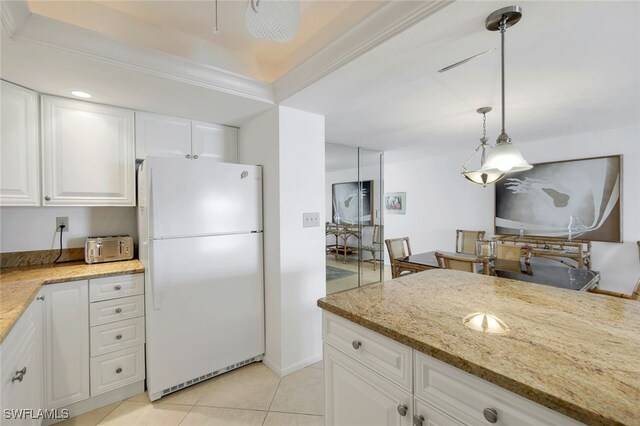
88,154
162,136
19,155
214,142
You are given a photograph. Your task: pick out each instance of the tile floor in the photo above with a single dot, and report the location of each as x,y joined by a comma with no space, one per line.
251,395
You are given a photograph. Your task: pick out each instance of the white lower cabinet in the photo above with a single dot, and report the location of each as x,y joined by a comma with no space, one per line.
365,384
355,395
66,337
21,368
117,369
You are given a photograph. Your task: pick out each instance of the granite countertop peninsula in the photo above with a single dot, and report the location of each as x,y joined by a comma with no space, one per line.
576,353
19,285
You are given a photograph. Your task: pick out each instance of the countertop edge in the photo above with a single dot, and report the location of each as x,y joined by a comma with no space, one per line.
522,389
38,286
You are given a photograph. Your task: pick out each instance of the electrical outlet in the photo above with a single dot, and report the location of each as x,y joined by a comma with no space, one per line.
62,220
310,219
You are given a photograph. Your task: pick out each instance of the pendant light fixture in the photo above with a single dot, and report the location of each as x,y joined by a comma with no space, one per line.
504,157
477,176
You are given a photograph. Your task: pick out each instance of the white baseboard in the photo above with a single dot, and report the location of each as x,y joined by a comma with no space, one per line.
272,366
292,368
101,400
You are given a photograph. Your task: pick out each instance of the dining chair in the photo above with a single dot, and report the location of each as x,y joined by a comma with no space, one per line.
512,252
635,294
370,242
462,263
466,240
397,248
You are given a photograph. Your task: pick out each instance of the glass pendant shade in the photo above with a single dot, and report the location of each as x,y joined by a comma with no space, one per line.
273,20
481,178
505,158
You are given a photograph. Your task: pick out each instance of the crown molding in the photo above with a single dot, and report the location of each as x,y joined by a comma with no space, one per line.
382,25
14,15
48,32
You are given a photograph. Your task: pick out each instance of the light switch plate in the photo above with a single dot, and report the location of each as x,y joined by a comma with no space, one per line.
310,219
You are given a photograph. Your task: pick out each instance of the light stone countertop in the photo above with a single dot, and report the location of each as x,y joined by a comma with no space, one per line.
576,353
19,285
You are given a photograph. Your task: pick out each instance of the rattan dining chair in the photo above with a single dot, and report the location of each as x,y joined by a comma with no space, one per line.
462,263
466,240
512,252
370,240
397,248
635,294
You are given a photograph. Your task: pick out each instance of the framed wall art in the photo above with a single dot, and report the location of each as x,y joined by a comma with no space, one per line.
395,202
348,198
565,199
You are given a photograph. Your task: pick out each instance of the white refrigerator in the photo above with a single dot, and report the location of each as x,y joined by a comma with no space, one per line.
200,240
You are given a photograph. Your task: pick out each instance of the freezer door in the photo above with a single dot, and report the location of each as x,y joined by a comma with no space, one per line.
191,197
205,306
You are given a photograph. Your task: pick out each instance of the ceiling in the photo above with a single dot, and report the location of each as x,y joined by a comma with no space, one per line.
571,68
185,28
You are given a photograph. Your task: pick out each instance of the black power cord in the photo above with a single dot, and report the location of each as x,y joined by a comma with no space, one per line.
60,254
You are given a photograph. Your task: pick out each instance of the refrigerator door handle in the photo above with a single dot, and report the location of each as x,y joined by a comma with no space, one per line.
155,297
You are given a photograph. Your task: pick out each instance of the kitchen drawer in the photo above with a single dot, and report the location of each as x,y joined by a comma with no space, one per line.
115,287
465,397
117,369
427,415
116,310
117,335
383,355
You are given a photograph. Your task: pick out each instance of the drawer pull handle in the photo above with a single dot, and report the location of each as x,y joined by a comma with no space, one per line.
40,298
118,310
418,420
490,414
119,336
402,409
356,344
118,287
119,370
19,375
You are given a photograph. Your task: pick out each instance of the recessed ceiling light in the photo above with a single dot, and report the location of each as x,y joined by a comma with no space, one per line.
81,94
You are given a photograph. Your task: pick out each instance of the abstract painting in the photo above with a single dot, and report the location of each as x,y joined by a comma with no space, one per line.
348,199
566,199
395,202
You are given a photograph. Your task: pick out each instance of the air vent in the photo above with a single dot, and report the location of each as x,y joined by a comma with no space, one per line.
210,375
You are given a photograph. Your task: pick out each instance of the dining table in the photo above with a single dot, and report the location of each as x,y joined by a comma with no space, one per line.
535,270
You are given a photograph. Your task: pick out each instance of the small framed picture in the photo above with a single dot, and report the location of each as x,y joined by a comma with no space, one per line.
395,202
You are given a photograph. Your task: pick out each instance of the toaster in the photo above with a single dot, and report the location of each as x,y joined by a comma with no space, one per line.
108,249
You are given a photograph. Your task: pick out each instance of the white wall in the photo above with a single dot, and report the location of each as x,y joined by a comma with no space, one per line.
440,200
289,144
34,228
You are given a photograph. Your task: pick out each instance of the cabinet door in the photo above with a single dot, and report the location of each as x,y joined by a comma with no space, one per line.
88,154
355,395
214,142
22,366
19,155
66,337
162,136
427,415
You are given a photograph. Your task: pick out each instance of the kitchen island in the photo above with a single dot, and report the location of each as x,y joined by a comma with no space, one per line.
542,355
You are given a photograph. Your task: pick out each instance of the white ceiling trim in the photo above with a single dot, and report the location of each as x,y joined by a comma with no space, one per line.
381,26
22,25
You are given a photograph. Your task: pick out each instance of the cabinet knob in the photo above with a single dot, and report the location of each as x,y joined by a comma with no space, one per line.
356,344
490,414
118,287
118,310
19,375
402,409
418,420
119,336
47,198
118,370
195,157
187,156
